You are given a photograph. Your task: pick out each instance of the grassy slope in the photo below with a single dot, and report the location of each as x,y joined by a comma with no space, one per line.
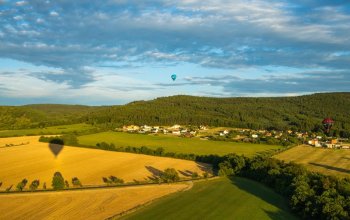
175,144
218,199
48,130
328,161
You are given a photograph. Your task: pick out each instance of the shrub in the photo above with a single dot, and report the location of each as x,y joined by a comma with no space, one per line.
9,188
194,175
34,185
76,182
170,175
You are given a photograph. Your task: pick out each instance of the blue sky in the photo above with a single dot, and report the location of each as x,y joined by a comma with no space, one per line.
117,51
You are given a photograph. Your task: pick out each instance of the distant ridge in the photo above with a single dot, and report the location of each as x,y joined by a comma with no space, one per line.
300,112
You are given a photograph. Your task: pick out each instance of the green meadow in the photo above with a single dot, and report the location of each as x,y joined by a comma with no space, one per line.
175,144
221,198
61,129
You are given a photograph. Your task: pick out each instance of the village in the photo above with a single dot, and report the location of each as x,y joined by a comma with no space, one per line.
205,132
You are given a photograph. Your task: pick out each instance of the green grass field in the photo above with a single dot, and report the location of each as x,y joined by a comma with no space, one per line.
175,144
48,130
218,199
327,161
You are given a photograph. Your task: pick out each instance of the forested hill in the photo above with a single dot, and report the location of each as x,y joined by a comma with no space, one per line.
43,115
301,112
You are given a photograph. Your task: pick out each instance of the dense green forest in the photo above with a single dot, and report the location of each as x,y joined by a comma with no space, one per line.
38,116
299,113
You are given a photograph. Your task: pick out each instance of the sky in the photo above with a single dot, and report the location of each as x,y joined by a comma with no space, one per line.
117,51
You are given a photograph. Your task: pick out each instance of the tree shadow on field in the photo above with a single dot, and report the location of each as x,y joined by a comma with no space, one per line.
267,195
342,170
156,173
278,215
186,173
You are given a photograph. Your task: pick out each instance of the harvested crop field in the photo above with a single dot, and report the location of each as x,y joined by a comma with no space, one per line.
84,204
36,161
327,161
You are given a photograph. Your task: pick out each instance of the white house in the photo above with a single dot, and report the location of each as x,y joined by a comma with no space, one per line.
176,132
255,136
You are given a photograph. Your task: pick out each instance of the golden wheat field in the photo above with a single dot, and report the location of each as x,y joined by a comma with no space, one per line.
328,161
36,161
84,204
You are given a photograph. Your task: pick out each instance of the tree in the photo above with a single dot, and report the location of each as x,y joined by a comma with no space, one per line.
66,183
170,175
34,185
58,181
44,185
21,185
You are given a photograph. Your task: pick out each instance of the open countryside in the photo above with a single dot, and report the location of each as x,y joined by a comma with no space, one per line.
327,161
176,144
34,160
219,199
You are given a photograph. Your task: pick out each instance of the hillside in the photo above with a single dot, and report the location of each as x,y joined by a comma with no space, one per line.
300,112
43,115
221,198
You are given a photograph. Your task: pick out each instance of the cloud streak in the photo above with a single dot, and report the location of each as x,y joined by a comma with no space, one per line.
76,41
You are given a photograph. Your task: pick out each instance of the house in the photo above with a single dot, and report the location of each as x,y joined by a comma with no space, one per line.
202,127
175,127
165,131
146,128
155,130
345,147
183,131
131,128
255,136
226,132
176,132
193,133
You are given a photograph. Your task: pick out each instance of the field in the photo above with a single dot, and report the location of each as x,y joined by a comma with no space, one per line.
49,130
175,144
34,160
327,161
218,199
85,204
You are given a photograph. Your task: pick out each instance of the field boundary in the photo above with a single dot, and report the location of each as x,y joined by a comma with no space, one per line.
97,187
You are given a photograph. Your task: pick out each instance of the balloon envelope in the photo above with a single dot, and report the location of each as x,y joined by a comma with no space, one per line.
173,77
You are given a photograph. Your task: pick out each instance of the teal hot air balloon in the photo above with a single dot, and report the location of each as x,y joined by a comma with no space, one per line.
173,77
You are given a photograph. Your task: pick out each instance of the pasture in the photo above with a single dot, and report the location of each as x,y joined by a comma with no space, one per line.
175,144
218,199
61,129
34,160
327,161
84,204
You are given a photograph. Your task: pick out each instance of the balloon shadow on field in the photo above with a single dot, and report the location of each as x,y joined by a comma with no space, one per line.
56,149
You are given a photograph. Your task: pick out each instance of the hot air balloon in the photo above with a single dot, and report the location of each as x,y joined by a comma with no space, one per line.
327,124
173,77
